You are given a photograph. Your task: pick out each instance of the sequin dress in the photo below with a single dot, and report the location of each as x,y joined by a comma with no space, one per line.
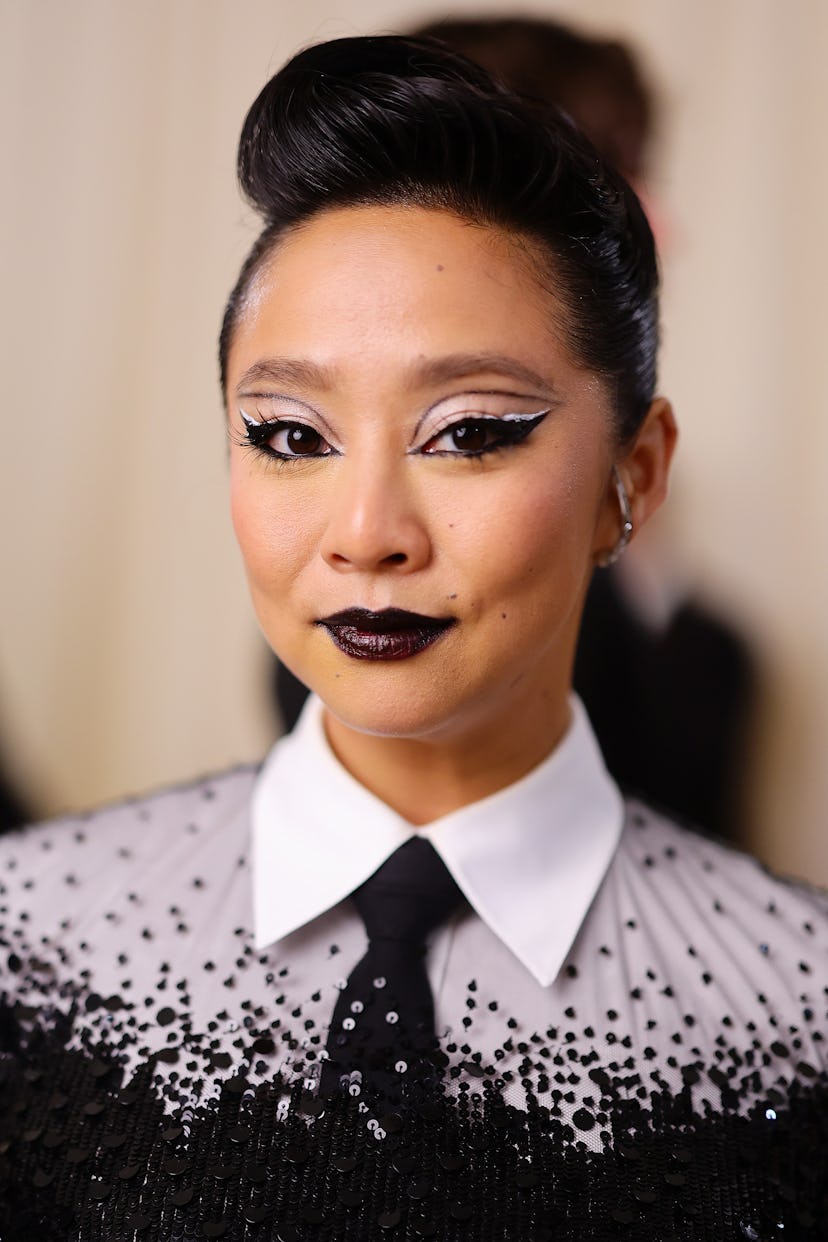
158,1071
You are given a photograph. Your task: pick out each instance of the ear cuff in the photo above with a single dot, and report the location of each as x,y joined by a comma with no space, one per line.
609,558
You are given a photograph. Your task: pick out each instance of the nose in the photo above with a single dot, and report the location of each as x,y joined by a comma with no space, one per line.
375,523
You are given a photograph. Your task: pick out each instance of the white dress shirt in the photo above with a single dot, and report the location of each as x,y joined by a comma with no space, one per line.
652,1004
516,856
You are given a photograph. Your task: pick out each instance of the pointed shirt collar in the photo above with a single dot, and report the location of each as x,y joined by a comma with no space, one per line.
529,858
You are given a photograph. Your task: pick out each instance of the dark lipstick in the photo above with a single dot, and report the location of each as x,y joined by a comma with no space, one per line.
391,634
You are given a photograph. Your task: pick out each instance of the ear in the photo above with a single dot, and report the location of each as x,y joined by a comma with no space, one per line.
644,467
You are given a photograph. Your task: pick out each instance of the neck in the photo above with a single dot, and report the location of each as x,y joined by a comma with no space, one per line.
423,779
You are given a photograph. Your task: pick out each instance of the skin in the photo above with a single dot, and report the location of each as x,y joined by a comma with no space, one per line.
405,320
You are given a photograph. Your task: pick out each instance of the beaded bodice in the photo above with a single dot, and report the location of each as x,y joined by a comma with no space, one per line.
158,1073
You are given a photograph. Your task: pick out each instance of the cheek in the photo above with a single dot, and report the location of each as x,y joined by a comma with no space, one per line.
533,535
270,533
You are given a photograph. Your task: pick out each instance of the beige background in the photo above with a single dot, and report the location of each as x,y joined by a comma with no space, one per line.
128,656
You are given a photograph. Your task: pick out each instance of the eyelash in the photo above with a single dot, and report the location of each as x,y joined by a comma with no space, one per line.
509,432
257,435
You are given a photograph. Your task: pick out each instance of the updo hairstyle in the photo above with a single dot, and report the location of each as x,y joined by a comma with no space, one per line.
387,121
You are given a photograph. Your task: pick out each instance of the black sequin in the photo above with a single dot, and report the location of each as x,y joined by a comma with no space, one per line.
671,1084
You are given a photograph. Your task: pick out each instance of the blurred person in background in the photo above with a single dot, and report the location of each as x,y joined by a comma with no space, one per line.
668,685
425,972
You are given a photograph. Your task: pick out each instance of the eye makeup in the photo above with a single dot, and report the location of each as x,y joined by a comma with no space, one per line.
476,436
300,438
466,436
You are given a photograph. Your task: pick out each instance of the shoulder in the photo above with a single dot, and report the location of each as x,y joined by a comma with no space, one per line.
711,865
76,860
708,898
203,803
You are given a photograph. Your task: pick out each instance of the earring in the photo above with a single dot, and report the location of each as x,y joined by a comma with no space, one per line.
625,536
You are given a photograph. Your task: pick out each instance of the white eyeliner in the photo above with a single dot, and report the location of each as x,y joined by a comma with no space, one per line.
492,418
517,418
454,420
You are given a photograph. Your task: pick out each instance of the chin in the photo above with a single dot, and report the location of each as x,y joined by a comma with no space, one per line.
388,710
387,701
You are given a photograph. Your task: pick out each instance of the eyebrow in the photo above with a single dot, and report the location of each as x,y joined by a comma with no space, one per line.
306,374
299,371
458,366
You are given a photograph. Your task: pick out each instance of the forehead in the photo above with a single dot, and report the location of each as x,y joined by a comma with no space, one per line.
395,232
351,284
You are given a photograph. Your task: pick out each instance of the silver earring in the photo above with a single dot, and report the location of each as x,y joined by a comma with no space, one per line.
626,521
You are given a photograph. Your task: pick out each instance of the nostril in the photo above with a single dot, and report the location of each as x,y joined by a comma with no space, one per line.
396,558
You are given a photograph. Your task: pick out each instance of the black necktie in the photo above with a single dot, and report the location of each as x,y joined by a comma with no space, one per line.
384,1016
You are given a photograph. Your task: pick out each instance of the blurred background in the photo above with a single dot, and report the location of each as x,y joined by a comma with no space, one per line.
128,653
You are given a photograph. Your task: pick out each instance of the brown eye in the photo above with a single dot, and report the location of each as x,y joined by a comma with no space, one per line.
470,437
303,441
473,437
285,440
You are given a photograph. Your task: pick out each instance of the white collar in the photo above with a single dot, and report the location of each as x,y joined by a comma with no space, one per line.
529,858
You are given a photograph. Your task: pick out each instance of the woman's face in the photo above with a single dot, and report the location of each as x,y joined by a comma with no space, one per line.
409,433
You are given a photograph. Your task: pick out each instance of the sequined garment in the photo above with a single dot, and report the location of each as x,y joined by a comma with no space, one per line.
157,1072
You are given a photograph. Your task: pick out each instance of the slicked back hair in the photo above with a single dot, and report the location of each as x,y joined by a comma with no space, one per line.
397,121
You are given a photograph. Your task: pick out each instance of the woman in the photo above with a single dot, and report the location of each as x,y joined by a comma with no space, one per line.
453,988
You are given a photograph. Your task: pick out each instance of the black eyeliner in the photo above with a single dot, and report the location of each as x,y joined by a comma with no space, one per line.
512,430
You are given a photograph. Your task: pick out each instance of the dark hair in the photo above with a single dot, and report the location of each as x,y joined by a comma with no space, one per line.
390,120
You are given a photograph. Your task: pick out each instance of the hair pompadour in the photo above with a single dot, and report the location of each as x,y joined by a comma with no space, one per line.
396,121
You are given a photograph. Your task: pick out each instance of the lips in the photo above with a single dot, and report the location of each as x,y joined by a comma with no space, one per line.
392,634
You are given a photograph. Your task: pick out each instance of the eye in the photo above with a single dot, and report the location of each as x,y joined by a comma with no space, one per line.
285,439
472,437
297,440
467,437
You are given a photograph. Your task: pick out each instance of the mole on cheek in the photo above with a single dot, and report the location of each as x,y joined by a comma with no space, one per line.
440,267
